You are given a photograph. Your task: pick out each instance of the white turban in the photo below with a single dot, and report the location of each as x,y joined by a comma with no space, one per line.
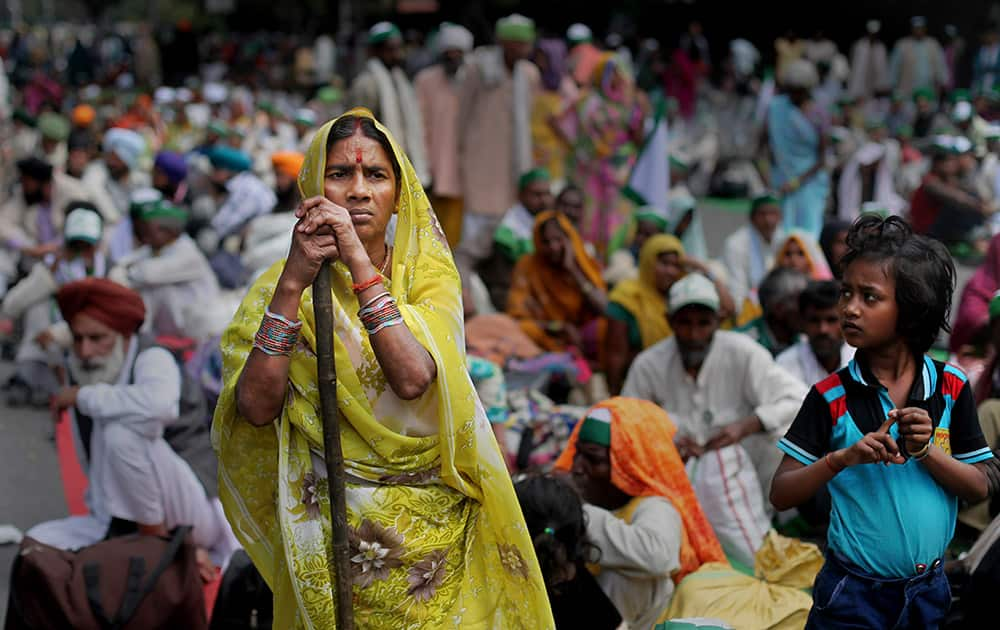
799,74
454,37
578,33
126,144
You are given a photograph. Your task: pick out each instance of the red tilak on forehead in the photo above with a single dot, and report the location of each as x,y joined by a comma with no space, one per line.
357,154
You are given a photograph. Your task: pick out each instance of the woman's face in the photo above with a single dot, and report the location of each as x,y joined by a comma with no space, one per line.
553,243
794,257
669,269
838,248
359,177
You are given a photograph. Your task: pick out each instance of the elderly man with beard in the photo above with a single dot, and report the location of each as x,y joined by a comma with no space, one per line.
823,351
719,387
125,392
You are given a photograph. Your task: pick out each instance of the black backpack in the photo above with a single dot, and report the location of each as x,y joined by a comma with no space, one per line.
244,599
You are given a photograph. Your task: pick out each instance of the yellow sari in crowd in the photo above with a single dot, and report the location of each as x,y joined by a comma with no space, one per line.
437,536
640,297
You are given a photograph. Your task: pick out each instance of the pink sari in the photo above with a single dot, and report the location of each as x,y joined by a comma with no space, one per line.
973,308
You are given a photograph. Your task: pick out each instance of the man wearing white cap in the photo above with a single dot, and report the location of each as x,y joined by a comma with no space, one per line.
384,88
917,61
583,54
869,64
437,93
496,99
45,335
719,387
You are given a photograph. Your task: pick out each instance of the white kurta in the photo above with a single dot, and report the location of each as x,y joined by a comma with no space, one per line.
738,378
738,254
638,558
133,473
801,362
170,282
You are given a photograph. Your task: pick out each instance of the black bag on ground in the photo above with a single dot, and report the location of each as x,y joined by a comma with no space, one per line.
244,599
133,582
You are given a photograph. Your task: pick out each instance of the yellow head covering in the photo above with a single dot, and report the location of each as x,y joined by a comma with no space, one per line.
640,297
443,504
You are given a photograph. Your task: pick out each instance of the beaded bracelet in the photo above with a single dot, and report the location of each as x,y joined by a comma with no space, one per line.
277,335
367,284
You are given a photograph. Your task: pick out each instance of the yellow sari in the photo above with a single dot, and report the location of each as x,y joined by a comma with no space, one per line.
640,297
437,536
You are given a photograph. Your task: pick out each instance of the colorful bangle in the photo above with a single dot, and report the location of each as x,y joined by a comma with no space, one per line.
277,335
379,313
372,301
367,284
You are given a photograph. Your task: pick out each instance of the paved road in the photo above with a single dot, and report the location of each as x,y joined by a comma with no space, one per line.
30,490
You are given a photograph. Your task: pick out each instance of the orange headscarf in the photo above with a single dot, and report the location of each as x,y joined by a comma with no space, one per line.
542,292
645,463
83,115
288,162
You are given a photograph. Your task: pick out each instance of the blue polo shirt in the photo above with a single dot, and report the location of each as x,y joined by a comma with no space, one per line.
887,520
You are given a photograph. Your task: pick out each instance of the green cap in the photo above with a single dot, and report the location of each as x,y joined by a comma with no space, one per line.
959,95
328,95
165,211
142,198
54,127
516,28
596,427
266,106
537,174
764,199
23,116
654,215
923,92
383,32
219,128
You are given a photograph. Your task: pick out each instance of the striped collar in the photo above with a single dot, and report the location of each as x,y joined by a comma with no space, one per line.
923,387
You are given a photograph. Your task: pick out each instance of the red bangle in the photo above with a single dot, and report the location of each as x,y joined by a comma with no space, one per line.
367,284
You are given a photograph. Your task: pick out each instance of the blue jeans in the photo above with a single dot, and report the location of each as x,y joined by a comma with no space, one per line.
844,596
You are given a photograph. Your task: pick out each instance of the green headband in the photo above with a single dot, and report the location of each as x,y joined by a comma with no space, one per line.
762,200
534,175
516,28
163,210
218,128
923,92
595,430
653,217
383,32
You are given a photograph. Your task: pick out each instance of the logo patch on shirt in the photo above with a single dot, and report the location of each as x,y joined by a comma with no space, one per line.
942,437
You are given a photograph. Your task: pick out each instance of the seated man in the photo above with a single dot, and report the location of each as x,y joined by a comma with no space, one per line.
641,512
778,327
31,220
513,237
30,300
246,196
719,387
125,393
168,270
748,253
823,351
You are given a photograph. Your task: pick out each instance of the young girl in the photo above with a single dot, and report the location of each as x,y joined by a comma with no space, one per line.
894,436
557,525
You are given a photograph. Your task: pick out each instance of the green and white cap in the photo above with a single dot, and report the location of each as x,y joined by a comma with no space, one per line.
83,224
693,289
596,427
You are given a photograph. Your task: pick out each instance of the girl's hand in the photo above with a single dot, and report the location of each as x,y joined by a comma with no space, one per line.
874,448
915,427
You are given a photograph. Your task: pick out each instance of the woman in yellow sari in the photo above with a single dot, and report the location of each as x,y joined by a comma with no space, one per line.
437,537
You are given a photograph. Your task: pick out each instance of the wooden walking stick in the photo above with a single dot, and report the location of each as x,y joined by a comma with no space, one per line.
339,560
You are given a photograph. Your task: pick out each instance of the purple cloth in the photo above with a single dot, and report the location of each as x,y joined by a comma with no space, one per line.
46,231
173,166
974,307
554,65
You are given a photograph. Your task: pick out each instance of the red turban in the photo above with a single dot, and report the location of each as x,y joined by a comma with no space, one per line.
114,305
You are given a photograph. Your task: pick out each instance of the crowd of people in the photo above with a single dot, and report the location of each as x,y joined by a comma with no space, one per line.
664,409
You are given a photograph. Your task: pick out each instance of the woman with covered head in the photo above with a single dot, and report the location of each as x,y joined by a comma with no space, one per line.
604,129
557,294
436,535
642,513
